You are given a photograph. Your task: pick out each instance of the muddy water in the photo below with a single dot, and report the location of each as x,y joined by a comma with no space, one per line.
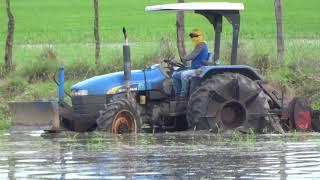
36,155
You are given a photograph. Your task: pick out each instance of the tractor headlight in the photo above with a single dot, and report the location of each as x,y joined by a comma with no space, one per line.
80,92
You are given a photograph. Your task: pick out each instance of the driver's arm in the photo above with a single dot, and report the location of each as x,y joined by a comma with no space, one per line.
196,51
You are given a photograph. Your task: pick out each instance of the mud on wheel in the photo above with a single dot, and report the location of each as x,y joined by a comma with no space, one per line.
228,101
119,116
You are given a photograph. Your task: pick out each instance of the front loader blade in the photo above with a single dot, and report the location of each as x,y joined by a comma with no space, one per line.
37,114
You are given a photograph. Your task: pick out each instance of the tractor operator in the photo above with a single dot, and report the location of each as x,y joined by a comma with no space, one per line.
198,57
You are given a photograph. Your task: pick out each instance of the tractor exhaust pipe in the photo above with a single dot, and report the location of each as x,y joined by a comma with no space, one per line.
126,61
61,84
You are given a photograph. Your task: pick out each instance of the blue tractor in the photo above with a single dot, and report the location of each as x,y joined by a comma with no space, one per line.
221,97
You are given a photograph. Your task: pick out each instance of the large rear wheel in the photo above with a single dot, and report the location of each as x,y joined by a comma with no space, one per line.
119,117
226,102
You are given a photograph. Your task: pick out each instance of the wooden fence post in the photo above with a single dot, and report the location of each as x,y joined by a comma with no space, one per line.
9,41
280,35
180,32
96,30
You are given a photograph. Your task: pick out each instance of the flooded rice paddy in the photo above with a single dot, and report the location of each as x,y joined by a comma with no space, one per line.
188,155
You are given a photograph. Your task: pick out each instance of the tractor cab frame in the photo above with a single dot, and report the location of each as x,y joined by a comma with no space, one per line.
214,12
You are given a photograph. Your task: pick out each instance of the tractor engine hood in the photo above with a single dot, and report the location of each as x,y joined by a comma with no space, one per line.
114,82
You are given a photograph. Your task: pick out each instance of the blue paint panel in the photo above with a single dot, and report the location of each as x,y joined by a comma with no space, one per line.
101,84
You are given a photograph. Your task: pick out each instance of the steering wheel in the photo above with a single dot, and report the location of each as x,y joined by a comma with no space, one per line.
172,63
171,66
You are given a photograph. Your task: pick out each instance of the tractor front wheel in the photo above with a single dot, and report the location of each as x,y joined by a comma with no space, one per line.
119,117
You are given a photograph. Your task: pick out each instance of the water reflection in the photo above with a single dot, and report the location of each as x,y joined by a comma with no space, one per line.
200,155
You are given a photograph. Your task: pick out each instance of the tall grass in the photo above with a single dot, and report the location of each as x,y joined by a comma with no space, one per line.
5,116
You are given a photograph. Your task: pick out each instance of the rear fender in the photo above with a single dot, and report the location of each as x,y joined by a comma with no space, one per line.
209,71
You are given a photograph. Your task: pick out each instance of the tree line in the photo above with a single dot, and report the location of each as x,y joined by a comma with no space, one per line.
180,31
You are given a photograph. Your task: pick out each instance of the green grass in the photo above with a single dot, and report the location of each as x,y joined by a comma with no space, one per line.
66,26
5,121
65,29
59,21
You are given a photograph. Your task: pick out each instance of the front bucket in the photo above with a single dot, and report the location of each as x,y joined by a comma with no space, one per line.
38,114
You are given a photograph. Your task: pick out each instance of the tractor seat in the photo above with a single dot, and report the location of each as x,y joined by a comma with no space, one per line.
210,61
210,56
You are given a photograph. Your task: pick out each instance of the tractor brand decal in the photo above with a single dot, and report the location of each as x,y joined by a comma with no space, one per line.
113,90
133,87
120,89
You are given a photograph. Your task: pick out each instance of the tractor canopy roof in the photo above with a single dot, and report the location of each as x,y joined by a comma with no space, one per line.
200,6
214,12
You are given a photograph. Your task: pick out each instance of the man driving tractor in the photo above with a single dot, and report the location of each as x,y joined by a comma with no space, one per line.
198,57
